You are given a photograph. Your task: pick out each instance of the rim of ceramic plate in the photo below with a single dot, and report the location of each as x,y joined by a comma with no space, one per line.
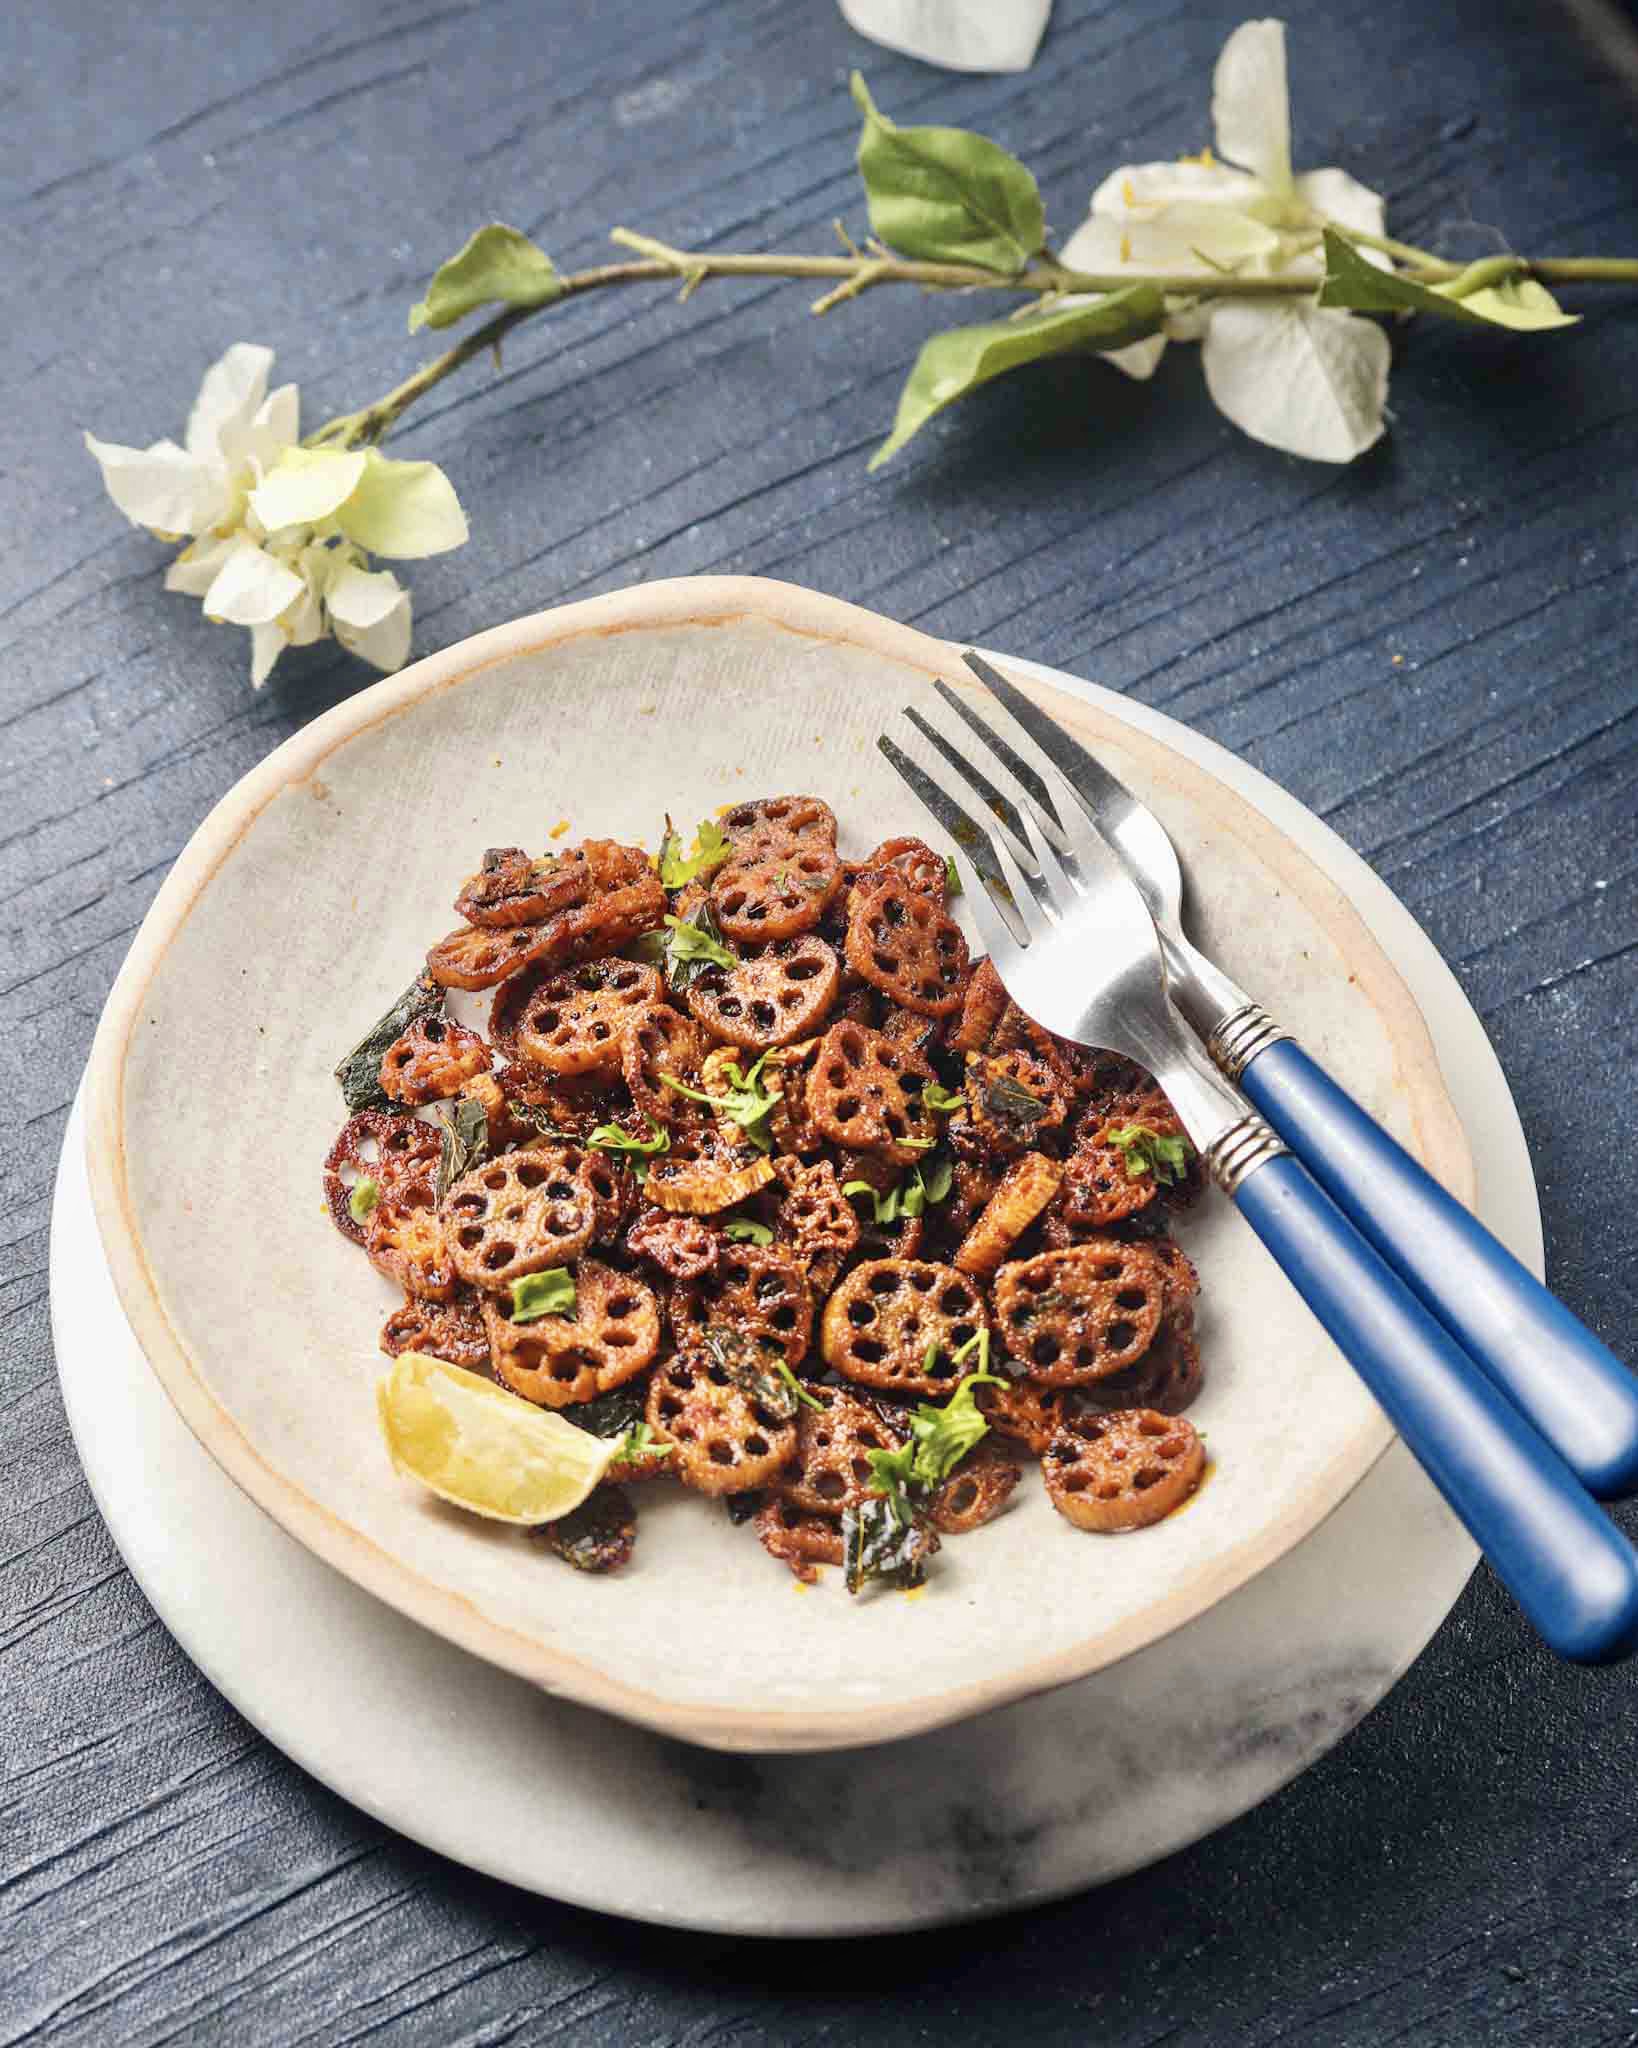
706,603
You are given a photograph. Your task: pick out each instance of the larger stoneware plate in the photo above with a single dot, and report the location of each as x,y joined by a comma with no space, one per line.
292,917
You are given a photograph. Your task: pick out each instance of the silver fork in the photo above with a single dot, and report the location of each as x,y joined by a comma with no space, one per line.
1549,1364
1076,948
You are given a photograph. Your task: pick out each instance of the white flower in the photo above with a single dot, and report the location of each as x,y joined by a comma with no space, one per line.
279,535
1310,381
962,35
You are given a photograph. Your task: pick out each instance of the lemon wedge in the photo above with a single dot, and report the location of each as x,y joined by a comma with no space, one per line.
486,1450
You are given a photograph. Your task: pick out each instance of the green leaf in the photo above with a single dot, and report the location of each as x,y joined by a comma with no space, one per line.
952,876
543,1294
747,1103
406,510
711,849
746,1230
737,1354
943,1100
942,1437
610,1138
695,942
945,195
498,267
360,1072
464,1144
361,1202
910,1197
1517,302
616,1413
961,359
877,1545
639,1442
1147,1151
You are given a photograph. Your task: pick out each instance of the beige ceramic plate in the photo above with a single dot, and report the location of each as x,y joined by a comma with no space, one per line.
301,907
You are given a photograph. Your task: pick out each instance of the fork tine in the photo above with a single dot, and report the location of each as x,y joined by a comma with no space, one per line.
1076,765
999,809
1077,829
993,916
1021,770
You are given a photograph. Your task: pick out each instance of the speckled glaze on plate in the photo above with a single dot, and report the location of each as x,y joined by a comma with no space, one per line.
297,911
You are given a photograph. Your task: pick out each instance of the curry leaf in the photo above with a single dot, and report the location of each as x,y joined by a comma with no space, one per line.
498,266
945,195
961,359
689,950
877,1545
616,1413
543,1294
1517,302
465,1143
360,1072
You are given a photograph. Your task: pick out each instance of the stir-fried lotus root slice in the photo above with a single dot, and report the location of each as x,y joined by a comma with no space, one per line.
799,1538
1123,1471
756,1290
764,821
785,1071
911,1030
831,1468
379,1146
510,888
1013,1099
404,1241
905,943
520,1214
433,1060
1024,1191
774,998
976,1491
451,1330
708,1168
816,1220
609,1336
478,957
536,1105
776,892
614,1194
913,860
1073,1316
898,1323
727,1441
1099,1190
599,1535
1032,1415
685,1247
573,1018
1168,1377
656,1040
866,1093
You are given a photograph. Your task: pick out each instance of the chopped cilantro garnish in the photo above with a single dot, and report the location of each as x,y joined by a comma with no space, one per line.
610,1138
746,1230
747,1103
711,849
942,1100
952,876
639,1442
1149,1151
366,1193
923,1184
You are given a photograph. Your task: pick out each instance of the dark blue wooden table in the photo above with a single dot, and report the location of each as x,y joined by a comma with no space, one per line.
1434,649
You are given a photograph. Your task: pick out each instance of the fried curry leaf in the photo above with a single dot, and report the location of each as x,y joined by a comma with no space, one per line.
543,1294
741,1506
745,1366
465,1143
600,1534
1012,1105
539,1120
711,849
1147,1151
616,1413
360,1072
877,1546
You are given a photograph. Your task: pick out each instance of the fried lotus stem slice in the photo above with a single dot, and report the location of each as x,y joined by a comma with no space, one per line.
1074,1316
773,998
611,1336
511,888
726,1440
905,943
983,1004
478,957
573,1019
976,1491
776,892
912,860
432,1061
656,1040
1122,1471
865,1093
1024,1191
1098,1190
451,1330
799,1538
1030,1414
375,1145
831,1468
756,1290
1167,1378
898,1323
706,1170
684,1247
599,1535
519,1214
789,1125
816,1220
404,1240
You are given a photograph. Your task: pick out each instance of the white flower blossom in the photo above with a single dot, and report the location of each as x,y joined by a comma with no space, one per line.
960,35
1286,371
279,535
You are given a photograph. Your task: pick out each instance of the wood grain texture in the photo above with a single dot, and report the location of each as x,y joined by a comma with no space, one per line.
173,179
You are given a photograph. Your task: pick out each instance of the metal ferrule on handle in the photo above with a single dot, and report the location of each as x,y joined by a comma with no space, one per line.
1568,1566
1569,1384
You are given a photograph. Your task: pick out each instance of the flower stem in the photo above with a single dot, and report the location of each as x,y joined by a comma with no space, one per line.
857,272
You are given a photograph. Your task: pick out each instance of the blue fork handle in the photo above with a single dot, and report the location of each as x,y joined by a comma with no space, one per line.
1574,1389
1568,1566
